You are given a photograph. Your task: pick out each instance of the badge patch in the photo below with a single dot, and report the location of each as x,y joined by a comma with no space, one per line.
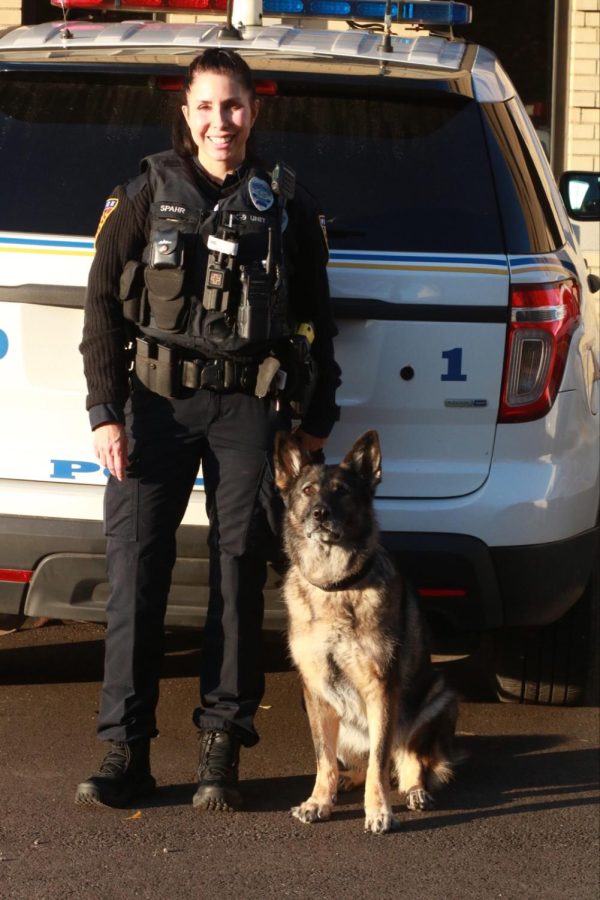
260,194
109,207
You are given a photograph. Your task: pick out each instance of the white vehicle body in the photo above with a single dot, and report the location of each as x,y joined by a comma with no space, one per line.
422,347
418,493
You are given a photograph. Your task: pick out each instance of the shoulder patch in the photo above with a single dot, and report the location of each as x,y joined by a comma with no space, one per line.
260,194
109,207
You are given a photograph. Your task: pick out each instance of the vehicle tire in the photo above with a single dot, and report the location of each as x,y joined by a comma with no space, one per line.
552,665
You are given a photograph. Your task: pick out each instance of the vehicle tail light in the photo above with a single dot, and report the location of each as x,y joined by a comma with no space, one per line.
543,318
266,87
262,86
169,83
16,576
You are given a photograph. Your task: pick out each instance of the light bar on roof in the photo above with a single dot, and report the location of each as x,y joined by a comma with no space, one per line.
425,12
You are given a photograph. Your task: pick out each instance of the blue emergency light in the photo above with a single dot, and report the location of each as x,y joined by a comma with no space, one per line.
425,12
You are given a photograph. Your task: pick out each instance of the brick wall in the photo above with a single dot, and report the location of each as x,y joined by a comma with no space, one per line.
583,134
583,128
10,12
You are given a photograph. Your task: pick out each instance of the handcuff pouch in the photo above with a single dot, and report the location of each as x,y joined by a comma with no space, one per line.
158,368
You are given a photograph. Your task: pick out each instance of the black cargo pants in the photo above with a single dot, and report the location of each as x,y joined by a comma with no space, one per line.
231,435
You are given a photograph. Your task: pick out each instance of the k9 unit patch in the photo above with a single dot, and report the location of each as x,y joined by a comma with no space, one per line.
109,207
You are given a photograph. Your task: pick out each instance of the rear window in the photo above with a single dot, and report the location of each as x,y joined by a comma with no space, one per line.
65,143
391,173
531,223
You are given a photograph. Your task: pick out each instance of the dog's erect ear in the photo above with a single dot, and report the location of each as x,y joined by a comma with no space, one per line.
365,458
289,459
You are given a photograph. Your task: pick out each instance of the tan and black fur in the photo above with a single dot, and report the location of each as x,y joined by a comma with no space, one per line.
374,701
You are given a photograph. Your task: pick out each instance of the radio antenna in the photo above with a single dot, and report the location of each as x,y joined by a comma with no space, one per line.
229,31
386,42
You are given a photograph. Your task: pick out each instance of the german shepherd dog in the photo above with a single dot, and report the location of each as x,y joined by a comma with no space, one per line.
373,700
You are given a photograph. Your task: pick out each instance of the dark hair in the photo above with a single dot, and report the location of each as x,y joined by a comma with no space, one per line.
213,59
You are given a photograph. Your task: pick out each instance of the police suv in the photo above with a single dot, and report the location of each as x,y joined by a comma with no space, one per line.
468,323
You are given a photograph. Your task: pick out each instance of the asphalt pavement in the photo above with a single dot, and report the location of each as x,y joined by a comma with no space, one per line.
521,820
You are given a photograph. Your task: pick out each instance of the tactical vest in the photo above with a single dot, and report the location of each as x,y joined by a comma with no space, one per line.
212,278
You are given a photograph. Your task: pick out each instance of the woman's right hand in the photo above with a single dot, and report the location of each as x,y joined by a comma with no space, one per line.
110,446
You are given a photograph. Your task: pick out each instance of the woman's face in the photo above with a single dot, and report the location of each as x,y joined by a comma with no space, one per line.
219,113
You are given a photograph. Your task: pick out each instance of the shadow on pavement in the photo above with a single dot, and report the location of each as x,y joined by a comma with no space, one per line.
42,657
260,794
526,769
64,653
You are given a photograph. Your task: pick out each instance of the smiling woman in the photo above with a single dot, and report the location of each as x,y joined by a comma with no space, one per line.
206,262
220,112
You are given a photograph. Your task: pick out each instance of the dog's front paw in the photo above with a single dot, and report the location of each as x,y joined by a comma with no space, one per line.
381,821
312,811
419,798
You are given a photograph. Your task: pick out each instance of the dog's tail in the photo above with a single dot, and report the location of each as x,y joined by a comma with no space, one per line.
430,735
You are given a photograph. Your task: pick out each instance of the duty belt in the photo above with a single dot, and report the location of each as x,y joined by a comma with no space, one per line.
219,375
167,370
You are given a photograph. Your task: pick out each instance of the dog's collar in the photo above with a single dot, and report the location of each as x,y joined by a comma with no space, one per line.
344,583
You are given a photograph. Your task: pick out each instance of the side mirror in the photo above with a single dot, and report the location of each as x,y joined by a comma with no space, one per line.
581,195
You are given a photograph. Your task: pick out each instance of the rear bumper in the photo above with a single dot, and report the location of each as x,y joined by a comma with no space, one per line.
66,557
503,586
470,587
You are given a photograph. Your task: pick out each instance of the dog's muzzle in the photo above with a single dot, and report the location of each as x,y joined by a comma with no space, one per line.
320,528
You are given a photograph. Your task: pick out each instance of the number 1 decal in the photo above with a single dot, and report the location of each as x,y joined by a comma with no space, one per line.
454,359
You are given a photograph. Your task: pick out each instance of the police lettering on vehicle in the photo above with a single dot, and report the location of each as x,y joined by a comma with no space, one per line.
69,469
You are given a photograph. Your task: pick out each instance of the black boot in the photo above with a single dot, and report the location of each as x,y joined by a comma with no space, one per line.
218,772
123,775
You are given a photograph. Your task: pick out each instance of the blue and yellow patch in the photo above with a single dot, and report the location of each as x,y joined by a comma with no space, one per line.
109,207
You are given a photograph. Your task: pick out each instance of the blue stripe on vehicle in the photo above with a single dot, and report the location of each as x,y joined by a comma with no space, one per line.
47,242
553,260
373,256
418,258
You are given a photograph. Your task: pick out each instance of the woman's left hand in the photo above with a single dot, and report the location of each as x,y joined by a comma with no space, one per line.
308,442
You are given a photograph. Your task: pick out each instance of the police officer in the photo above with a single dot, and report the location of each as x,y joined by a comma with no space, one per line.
205,264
